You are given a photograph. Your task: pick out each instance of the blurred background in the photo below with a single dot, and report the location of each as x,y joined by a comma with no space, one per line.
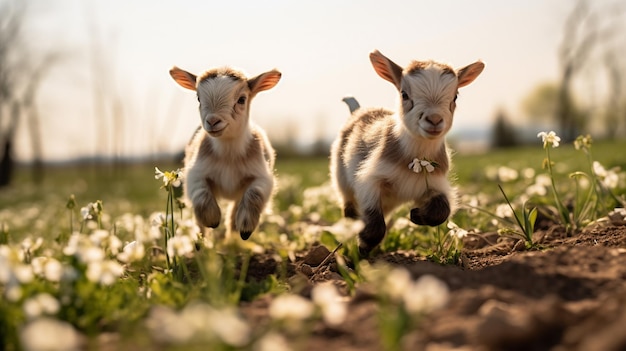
87,80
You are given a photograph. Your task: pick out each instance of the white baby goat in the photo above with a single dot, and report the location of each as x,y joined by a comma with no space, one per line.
229,157
383,159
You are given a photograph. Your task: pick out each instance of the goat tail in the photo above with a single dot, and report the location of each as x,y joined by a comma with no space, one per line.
352,103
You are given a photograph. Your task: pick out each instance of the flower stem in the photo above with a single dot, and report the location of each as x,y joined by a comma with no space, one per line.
560,208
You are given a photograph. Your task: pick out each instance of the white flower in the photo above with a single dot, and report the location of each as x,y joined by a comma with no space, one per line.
333,305
504,211
50,335
344,229
418,165
90,254
425,295
172,178
290,307
507,174
28,245
39,304
272,341
396,282
23,273
229,327
608,178
13,293
179,245
47,267
92,210
98,236
536,189
104,272
549,138
456,231
167,325
157,219
133,251
583,142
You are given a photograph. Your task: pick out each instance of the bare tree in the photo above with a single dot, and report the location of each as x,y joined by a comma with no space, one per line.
19,83
585,31
33,121
11,19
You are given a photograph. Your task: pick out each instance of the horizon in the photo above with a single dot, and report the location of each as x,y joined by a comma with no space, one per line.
321,49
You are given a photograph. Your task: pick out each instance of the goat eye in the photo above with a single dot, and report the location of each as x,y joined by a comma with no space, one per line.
405,96
241,100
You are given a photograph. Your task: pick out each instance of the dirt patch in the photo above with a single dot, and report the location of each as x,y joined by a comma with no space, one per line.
568,295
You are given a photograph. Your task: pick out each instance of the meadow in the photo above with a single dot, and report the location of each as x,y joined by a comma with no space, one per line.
106,257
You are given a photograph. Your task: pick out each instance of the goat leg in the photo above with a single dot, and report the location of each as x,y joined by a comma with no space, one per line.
349,211
434,213
248,212
207,212
373,232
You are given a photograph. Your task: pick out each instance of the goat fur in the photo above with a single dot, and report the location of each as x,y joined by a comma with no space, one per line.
229,157
371,156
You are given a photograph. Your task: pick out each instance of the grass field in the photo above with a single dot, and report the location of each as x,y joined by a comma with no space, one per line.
100,282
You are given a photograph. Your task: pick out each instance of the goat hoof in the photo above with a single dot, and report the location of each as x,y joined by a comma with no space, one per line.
364,252
417,217
245,235
350,212
429,219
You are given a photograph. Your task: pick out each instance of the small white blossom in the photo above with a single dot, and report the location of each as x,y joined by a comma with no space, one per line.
608,178
425,295
92,210
344,229
48,268
23,273
549,138
166,325
133,251
179,245
49,334
456,231
507,174
40,304
104,272
172,178
291,307
333,305
418,165
536,189
504,211
396,282
272,341
28,245
229,327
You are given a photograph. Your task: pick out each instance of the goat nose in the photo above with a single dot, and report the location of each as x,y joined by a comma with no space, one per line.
434,119
213,121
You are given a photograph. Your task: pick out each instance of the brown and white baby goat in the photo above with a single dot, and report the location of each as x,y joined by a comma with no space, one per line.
383,159
229,157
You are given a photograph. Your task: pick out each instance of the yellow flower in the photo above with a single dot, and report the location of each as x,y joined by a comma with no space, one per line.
172,178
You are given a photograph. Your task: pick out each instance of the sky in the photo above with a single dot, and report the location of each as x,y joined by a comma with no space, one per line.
321,47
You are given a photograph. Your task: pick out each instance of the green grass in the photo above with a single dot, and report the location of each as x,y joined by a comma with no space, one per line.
144,301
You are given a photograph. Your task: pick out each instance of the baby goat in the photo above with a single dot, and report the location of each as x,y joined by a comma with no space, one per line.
382,159
229,157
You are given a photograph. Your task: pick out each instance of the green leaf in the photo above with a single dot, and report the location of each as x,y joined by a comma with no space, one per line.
532,217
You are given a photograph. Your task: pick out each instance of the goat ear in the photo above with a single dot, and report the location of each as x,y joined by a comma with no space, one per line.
468,73
386,69
264,81
183,78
